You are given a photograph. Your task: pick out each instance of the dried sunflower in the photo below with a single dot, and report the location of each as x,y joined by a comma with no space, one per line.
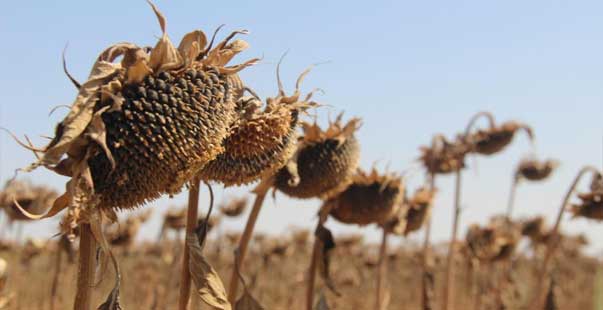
371,198
144,126
444,157
491,243
496,138
34,199
535,170
260,142
234,207
419,209
324,163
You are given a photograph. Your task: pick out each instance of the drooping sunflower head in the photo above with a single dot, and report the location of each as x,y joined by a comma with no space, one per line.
443,156
370,198
495,139
145,125
535,170
260,141
324,163
34,199
419,209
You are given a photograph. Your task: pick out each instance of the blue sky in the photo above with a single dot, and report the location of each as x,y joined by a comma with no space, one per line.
408,68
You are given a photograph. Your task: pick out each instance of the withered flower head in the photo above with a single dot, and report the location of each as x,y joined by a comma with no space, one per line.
371,198
260,141
534,228
591,203
535,170
234,207
496,138
34,199
419,209
491,243
324,163
144,126
443,156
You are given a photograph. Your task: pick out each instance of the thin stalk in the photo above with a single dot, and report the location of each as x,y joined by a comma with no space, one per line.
551,246
426,283
86,267
260,193
449,290
316,249
191,224
511,202
312,275
381,271
55,279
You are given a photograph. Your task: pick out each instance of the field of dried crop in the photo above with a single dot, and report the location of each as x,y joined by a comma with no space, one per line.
151,122
278,272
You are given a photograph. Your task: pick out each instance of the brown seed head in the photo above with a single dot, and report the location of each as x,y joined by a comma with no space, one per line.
371,198
443,156
495,139
535,170
144,126
419,209
234,207
260,141
324,163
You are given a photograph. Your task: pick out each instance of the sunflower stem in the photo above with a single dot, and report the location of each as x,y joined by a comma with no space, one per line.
511,202
552,243
449,289
55,279
381,272
86,267
191,224
426,283
260,193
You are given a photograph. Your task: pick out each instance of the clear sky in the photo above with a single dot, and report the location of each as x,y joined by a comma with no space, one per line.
408,68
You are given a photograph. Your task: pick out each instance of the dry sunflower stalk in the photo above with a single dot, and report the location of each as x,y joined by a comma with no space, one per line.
324,163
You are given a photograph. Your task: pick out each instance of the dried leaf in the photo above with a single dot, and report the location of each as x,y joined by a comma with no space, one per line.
209,286
192,45
247,302
327,243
